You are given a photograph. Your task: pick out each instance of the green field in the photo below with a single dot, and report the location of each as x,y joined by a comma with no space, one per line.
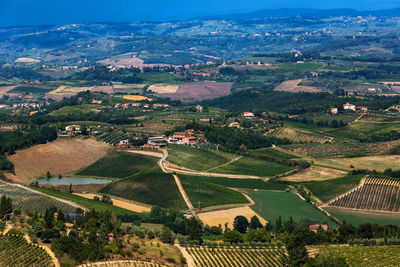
360,217
360,129
328,189
196,159
85,202
364,256
154,188
73,110
253,166
271,153
120,165
285,204
244,183
27,89
157,77
205,194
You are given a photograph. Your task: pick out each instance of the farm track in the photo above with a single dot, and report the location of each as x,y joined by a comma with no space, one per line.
226,164
47,249
184,195
189,258
171,169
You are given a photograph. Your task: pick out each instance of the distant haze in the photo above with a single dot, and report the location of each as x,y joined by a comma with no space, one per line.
33,12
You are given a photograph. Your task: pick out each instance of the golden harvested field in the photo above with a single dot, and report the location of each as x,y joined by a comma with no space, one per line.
26,60
314,173
379,163
164,88
59,157
293,87
122,203
214,218
136,98
67,91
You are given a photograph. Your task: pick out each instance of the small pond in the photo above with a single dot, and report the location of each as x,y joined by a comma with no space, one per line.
72,180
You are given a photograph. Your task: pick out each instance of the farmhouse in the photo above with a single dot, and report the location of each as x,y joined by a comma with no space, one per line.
316,227
95,101
334,111
234,125
73,128
123,144
190,140
348,106
160,105
362,108
118,105
199,108
248,114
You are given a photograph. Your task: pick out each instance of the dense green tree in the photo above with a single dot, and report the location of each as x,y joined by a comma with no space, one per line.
233,237
194,229
6,206
255,223
240,224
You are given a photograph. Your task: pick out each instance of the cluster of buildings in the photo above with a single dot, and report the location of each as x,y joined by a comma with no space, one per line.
247,114
21,105
185,138
348,106
137,105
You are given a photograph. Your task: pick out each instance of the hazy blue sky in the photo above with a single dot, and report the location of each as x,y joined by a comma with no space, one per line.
27,12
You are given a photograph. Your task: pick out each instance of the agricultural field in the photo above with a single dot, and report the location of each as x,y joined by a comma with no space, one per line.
120,165
57,157
271,153
74,110
298,136
26,199
294,86
253,166
245,183
314,173
362,129
153,188
379,162
204,194
364,255
329,189
284,204
15,250
344,117
86,203
341,149
196,159
210,257
376,193
163,88
29,89
227,216
357,217
198,91
136,98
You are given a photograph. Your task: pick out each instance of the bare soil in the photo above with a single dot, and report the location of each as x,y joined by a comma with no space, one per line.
199,91
293,87
315,173
58,157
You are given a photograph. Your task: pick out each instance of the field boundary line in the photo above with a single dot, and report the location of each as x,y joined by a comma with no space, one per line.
188,257
225,164
361,184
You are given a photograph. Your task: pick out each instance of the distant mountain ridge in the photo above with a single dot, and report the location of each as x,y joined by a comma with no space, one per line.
305,12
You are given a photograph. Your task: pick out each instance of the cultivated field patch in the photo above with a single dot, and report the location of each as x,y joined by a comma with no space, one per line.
270,205
294,87
298,136
125,204
163,88
199,91
314,173
215,218
58,157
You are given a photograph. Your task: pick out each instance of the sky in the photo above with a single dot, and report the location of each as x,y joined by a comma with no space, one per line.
35,12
